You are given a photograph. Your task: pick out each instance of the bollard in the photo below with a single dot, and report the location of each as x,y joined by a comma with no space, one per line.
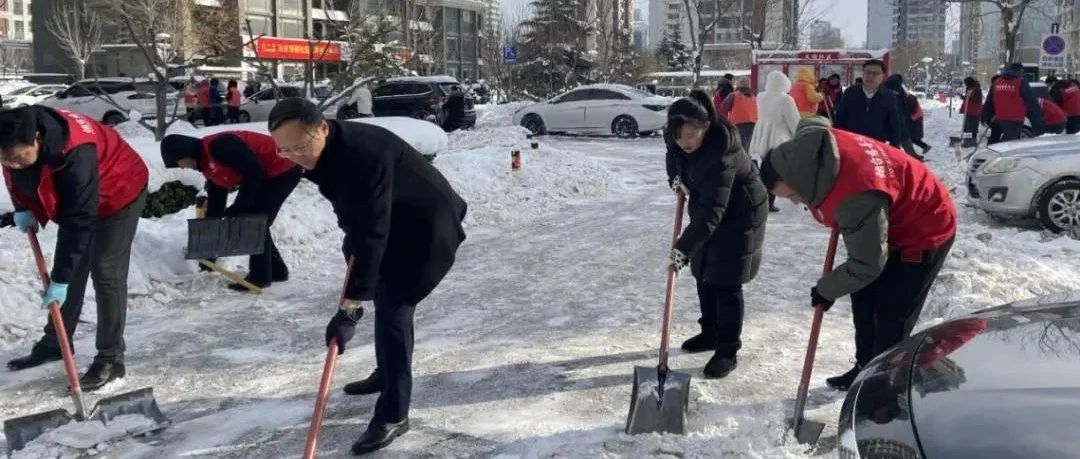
515,160
533,142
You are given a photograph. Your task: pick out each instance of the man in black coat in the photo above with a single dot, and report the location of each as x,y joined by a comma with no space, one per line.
871,109
402,224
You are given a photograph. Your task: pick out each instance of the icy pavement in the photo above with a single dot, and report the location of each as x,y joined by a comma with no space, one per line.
527,348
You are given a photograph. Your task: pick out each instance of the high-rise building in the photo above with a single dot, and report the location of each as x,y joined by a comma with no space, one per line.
15,35
728,45
921,24
823,35
641,32
880,25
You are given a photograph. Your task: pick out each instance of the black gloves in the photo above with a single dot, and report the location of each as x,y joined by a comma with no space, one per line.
342,327
817,300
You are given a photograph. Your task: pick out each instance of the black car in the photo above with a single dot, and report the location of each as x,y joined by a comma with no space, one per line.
420,98
1001,383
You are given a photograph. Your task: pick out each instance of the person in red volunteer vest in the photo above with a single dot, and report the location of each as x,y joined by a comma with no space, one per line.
247,161
897,219
1066,94
1054,118
66,168
234,100
972,110
1009,101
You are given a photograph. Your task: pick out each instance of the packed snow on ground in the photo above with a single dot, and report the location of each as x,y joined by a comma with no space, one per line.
82,439
527,348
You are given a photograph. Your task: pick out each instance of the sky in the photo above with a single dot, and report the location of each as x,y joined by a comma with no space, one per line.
848,15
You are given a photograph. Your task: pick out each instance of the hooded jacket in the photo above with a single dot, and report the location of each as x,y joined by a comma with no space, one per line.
777,115
923,213
805,93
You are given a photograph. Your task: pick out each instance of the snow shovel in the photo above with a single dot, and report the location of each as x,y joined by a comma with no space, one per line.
807,431
323,396
20,431
209,239
659,398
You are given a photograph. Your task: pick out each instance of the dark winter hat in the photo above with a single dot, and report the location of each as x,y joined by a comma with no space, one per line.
176,147
769,176
729,77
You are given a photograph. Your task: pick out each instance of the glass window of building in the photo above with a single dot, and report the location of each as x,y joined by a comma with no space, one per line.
468,23
17,8
468,49
291,28
289,6
260,25
452,21
453,49
258,5
20,31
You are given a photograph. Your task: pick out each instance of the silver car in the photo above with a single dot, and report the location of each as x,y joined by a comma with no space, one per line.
1037,177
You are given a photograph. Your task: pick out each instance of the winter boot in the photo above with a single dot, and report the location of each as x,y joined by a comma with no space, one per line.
101,373
701,342
39,355
373,384
843,382
379,435
720,365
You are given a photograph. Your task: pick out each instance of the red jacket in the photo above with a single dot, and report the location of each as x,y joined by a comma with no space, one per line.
1052,114
1008,103
973,104
234,97
122,175
204,95
1071,101
261,144
921,211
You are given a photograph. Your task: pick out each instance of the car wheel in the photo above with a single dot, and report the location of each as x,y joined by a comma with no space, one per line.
113,118
885,449
244,117
624,127
534,124
1059,207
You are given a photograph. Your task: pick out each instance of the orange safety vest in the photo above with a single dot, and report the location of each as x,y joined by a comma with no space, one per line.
802,102
743,109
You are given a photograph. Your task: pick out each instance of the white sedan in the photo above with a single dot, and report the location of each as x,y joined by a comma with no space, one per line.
31,95
597,109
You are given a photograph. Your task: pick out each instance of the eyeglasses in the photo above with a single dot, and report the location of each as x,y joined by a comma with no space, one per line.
299,150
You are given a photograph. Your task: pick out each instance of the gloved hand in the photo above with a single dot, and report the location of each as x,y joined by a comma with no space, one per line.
56,292
26,221
7,219
678,259
342,327
677,185
816,299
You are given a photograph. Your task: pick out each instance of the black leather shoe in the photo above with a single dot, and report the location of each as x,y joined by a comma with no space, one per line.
101,373
843,382
720,365
379,435
373,384
38,356
700,343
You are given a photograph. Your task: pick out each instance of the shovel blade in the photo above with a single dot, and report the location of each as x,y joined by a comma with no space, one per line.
656,409
139,402
806,431
20,431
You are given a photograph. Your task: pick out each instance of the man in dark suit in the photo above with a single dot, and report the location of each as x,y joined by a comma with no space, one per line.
402,224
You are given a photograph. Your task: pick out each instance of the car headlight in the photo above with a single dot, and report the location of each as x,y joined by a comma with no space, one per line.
1003,165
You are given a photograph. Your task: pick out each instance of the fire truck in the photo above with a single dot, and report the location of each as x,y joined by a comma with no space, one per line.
847,63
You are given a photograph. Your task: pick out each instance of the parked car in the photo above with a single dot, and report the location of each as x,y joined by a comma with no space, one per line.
1030,177
111,100
597,109
420,98
258,106
1003,382
31,95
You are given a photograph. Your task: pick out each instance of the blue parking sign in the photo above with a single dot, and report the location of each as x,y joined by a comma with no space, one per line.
510,53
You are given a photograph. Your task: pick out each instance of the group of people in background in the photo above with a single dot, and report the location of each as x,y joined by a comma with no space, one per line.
206,100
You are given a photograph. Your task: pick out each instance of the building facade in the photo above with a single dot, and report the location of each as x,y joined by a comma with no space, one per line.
728,45
920,23
880,26
823,35
15,36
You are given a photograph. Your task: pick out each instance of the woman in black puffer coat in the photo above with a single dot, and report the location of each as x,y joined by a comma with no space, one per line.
728,206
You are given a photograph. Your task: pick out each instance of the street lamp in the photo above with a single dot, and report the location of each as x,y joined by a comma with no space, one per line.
927,61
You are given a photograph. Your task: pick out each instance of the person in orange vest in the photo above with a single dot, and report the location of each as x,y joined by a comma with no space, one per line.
234,102
805,94
740,107
205,108
247,161
67,168
1054,118
191,99
1010,99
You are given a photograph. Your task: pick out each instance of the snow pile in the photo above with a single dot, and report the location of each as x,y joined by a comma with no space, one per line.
82,439
497,115
11,85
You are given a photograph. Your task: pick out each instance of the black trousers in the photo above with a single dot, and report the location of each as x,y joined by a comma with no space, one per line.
234,114
885,311
393,354
209,116
1054,128
1003,131
1073,125
746,133
919,143
721,315
107,263
269,266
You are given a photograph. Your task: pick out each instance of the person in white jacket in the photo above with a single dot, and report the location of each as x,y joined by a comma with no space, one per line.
777,118
360,101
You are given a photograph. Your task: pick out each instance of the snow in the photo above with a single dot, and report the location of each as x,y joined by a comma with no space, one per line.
78,438
11,85
527,347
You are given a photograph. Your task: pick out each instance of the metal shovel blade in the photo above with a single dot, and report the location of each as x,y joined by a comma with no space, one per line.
20,431
139,402
658,405
806,431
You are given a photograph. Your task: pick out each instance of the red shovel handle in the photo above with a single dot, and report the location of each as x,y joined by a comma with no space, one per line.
815,330
60,329
669,292
323,395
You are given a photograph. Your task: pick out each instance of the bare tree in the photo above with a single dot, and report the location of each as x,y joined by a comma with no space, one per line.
78,32
1011,13
704,16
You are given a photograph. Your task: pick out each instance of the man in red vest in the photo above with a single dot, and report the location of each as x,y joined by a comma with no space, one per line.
1008,102
65,167
1066,94
1054,118
247,161
897,219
